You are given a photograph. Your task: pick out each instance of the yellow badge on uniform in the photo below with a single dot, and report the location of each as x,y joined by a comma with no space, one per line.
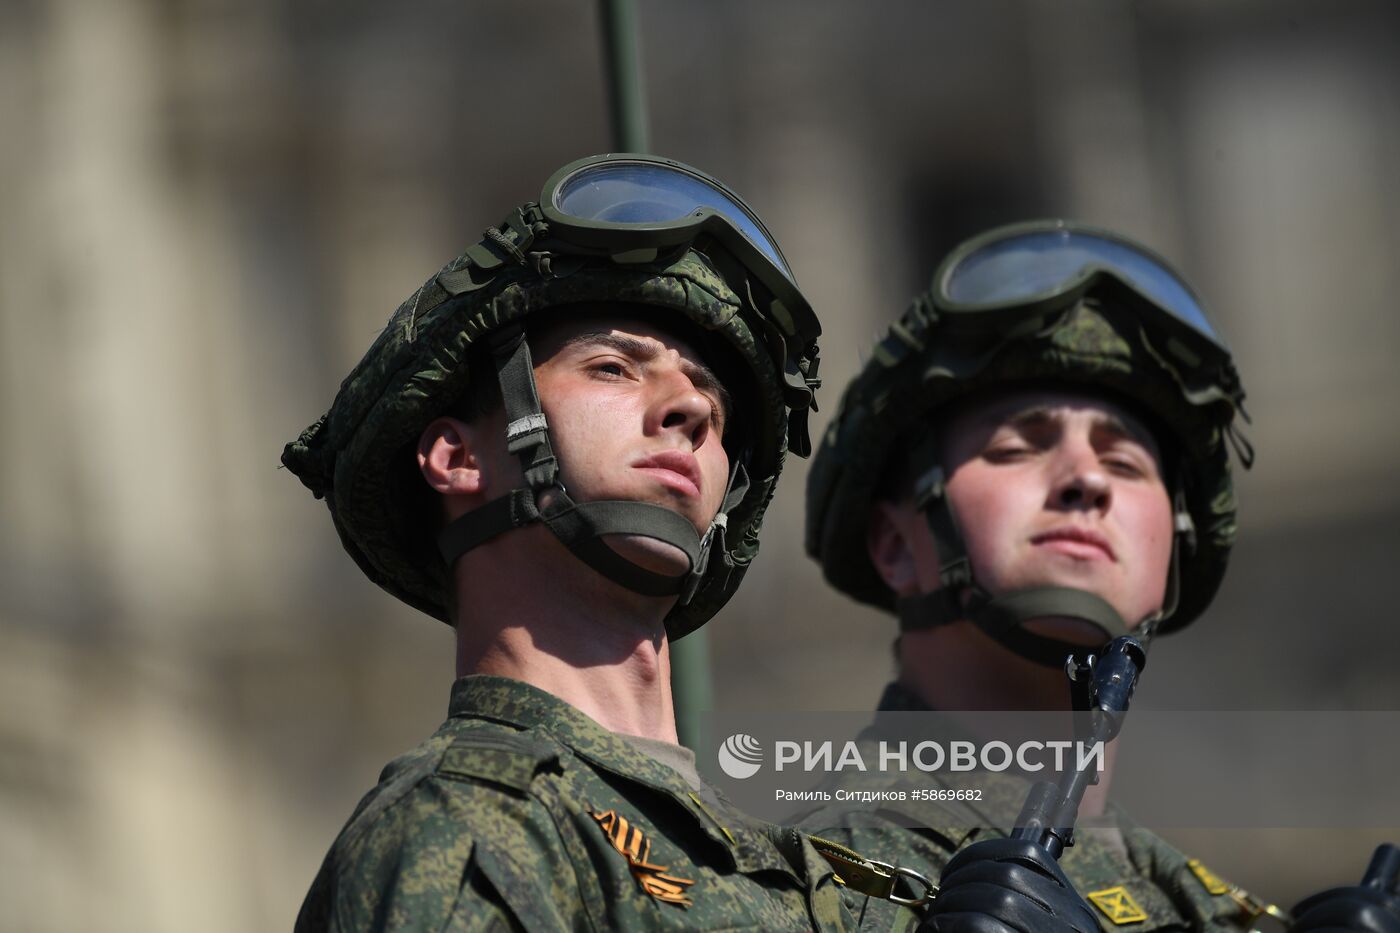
1209,879
636,847
1118,905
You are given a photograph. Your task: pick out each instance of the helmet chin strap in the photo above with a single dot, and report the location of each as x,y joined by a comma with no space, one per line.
1003,616
579,526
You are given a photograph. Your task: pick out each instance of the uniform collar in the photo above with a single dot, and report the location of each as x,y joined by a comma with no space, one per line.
515,703
524,706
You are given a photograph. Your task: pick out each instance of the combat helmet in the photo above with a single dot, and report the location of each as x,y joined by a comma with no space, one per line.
1034,302
652,235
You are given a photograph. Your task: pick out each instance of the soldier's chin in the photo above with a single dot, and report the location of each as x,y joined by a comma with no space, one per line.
650,554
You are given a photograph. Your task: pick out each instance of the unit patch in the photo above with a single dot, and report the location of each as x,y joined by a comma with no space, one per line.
1118,905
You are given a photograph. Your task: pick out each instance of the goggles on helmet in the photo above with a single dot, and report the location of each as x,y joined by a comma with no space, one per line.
639,205
1017,275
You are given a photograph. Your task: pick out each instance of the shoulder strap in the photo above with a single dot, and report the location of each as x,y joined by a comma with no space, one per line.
508,759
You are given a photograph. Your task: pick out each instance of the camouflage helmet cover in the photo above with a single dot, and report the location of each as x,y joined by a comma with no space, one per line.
357,455
1098,342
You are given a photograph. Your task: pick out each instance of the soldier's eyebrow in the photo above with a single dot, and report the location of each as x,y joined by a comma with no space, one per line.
643,351
1042,416
1033,417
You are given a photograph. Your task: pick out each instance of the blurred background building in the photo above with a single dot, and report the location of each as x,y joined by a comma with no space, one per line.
209,208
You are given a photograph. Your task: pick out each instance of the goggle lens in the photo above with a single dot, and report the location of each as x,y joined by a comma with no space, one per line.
1032,265
649,193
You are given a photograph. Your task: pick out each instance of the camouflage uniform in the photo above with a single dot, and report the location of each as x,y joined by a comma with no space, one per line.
1161,888
1036,305
518,814
521,812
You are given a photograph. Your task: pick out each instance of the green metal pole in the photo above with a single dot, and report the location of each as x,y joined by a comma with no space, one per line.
690,657
626,95
690,684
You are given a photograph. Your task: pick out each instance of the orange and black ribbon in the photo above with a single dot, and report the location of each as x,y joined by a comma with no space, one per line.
633,843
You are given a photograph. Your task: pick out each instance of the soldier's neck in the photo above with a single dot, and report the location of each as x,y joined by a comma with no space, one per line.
575,635
957,668
631,695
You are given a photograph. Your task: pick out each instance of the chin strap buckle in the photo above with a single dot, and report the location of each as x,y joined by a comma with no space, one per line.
929,487
1080,671
1182,523
718,525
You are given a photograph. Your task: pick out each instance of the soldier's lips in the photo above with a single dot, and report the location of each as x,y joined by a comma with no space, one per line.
1079,543
674,469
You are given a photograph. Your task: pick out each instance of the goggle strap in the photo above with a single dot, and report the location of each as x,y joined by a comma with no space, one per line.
799,382
1244,450
505,244
525,223
799,385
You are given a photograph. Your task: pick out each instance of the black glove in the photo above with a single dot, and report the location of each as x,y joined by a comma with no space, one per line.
1355,908
999,885
1370,907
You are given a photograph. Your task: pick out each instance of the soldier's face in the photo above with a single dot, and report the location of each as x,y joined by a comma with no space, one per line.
635,414
1061,488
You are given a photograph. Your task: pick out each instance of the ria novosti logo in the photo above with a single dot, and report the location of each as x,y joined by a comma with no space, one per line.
740,756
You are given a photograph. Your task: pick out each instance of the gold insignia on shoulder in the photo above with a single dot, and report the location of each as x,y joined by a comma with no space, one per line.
636,847
1209,879
1118,905
1249,905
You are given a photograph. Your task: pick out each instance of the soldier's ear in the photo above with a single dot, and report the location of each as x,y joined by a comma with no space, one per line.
450,459
891,550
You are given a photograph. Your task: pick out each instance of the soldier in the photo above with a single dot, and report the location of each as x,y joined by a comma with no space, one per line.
1034,461
563,444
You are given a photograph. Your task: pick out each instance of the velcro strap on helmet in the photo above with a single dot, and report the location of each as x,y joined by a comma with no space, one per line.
931,498
527,434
